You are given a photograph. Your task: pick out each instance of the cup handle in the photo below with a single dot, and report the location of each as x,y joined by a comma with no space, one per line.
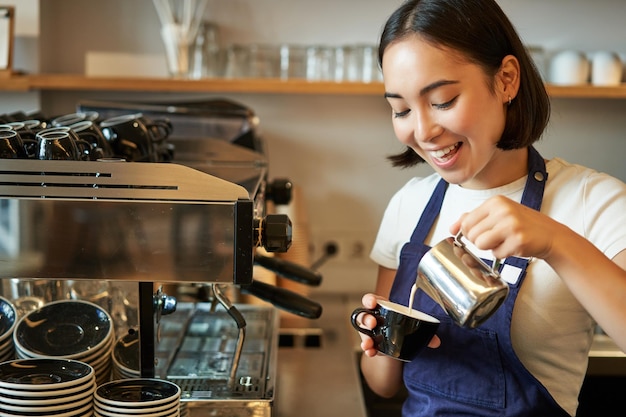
353,318
30,146
88,134
85,148
159,129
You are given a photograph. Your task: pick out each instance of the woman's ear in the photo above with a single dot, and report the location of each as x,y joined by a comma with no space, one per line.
508,78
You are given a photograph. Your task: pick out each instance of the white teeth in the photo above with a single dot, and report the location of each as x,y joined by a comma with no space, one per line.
443,152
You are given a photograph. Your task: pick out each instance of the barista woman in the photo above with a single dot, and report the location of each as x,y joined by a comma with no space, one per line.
466,99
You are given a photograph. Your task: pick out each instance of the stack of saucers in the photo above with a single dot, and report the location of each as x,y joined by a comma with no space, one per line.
126,357
8,320
46,387
184,410
147,397
68,329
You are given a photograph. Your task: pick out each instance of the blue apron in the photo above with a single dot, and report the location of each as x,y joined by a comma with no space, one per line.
475,372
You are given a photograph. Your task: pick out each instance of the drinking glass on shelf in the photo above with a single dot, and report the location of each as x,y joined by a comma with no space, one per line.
206,55
264,61
237,61
320,63
347,63
292,61
368,55
180,21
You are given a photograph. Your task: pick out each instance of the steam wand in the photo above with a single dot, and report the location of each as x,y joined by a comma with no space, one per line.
241,325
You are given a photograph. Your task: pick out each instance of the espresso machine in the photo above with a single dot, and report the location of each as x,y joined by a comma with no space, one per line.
194,222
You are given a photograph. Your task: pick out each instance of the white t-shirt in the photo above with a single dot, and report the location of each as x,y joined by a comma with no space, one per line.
551,331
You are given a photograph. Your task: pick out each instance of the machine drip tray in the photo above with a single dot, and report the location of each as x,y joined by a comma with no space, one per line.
202,361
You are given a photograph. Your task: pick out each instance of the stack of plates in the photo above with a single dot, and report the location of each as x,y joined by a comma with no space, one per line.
46,387
126,357
8,319
68,329
146,397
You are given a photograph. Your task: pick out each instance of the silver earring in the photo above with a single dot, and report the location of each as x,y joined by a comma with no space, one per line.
510,99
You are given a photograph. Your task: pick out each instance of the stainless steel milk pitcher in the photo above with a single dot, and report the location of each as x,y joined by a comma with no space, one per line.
468,289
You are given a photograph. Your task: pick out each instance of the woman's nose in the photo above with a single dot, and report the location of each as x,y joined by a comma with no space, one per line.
425,127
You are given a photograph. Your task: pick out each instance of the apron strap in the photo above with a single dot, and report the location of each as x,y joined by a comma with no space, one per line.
536,182
430,213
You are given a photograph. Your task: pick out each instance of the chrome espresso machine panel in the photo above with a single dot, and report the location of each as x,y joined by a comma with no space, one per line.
158,222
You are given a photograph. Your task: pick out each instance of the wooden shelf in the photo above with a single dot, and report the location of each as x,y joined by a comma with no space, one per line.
268,86
66,82
587,91
12,82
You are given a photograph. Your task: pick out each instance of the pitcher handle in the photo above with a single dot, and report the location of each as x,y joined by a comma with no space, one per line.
495,265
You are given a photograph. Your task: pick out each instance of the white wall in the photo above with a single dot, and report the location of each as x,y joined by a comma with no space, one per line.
334,146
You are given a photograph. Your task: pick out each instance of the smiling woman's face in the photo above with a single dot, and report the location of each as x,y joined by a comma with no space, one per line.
444,109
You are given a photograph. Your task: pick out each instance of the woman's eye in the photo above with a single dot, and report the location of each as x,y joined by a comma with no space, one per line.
400,114
445,105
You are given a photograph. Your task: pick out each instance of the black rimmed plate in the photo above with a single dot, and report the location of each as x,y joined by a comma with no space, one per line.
47,410
66,328
156,411
137,392
52,392
6,348
8,318
48,398
44,374
126,353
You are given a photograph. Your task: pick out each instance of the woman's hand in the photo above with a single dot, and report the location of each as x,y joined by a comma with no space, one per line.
507,229
368,321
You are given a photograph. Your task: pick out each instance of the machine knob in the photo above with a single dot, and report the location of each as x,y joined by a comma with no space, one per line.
274,232
279,191
164,304
168,305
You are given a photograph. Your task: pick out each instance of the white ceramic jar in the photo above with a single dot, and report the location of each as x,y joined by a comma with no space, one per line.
606,69
569,68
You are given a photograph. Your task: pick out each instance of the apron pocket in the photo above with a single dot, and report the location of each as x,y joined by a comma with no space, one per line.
467,367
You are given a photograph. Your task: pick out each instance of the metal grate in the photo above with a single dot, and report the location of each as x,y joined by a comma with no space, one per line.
202,362
203,389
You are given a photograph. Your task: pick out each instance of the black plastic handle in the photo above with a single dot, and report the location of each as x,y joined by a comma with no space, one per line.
290,270
284,299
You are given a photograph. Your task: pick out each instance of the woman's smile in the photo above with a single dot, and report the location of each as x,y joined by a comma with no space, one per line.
445,154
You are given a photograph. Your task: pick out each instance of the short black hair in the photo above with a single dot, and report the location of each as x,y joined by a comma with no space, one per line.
481,32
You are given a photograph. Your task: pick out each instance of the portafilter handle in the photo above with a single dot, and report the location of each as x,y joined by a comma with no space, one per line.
289,270
284,299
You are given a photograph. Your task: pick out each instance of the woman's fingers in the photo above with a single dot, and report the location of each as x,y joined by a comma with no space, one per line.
435,342
370,300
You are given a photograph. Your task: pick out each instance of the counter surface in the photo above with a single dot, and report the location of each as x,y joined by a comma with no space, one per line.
321,381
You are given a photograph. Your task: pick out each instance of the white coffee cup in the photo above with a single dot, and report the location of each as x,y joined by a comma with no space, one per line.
569,68
606,69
